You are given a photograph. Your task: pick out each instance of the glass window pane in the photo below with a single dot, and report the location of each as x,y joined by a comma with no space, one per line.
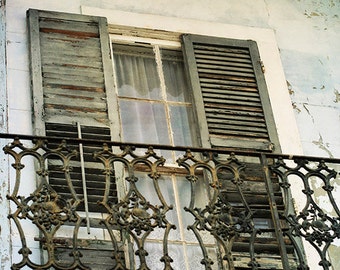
174,75
147,189
143,122
136,72
180,123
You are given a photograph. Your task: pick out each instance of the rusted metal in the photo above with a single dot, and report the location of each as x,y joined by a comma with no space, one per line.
229,217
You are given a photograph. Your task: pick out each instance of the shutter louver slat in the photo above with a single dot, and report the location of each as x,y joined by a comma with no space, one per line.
96,254
220,82
95,179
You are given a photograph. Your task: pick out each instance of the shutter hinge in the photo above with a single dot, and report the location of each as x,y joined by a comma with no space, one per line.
262,67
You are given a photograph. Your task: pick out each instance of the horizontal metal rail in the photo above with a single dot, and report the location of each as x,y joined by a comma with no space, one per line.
224,150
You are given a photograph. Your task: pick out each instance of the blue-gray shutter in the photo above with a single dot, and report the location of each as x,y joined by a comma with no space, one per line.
230,93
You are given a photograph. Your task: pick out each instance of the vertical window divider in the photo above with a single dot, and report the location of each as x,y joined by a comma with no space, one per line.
83,178
164,96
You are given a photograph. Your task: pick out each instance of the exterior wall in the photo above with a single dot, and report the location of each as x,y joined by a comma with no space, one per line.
5,249
307,34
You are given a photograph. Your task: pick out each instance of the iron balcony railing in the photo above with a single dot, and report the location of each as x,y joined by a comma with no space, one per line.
211,209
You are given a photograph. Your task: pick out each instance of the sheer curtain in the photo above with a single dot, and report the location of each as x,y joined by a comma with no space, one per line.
143,118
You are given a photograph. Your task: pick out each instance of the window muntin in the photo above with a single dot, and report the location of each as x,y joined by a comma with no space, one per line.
153,95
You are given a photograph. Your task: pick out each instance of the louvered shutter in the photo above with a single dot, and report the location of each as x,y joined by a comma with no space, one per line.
71,69
72,81
233,110
230,93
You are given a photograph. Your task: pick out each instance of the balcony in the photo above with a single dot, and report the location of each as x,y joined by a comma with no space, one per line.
155,205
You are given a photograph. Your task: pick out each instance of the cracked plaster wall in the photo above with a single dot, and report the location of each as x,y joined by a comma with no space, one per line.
307,33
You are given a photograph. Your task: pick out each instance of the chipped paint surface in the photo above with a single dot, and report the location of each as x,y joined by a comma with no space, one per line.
5,231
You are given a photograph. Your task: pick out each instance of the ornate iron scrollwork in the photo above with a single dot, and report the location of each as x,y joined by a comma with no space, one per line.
312,222
224,223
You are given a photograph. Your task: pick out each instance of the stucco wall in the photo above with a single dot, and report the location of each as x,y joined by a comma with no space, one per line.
307,33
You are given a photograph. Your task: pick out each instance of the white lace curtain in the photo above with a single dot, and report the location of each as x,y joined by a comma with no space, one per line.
151,113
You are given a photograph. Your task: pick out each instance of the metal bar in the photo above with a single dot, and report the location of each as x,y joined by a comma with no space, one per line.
275,213
83,178
224,150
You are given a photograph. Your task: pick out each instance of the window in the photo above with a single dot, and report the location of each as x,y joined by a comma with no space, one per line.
150,92
153,95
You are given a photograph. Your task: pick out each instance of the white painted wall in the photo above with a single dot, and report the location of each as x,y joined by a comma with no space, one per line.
307,33
5,247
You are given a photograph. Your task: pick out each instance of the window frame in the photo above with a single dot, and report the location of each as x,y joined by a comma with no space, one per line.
157,45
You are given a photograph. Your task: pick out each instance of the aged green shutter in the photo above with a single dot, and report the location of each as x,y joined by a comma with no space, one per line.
72,82
230,93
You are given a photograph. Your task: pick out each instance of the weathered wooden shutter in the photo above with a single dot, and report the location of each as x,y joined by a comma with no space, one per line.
72,82
230,93
233,110
72,77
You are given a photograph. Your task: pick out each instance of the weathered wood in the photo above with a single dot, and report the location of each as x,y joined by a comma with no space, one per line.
77,26
228,112
231,50
222,72
223,99
35,68
225,66
224,81
241,89
207,60
236,122
235,107
232,92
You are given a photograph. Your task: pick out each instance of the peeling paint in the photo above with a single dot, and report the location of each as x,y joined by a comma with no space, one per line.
290,88
313,14
323,146
306,108
295,107
337,96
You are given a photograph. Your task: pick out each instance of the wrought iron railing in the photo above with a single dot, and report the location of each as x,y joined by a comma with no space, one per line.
239,210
